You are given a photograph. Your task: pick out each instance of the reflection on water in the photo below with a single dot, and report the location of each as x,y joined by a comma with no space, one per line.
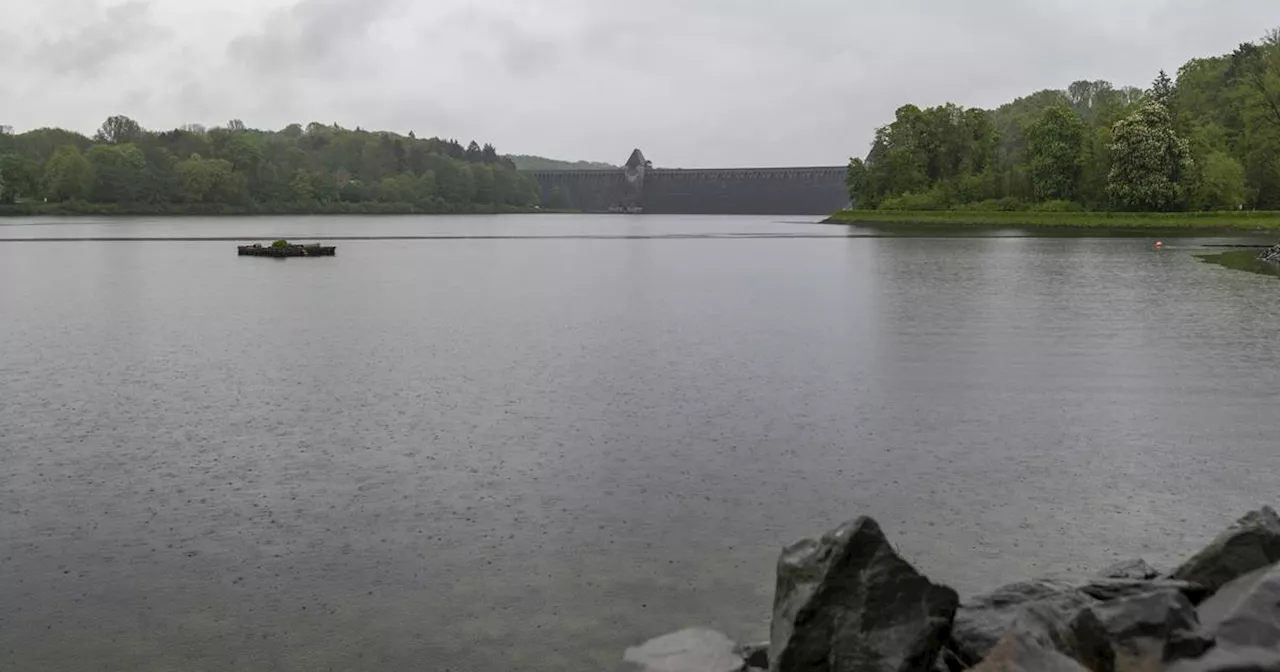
529,454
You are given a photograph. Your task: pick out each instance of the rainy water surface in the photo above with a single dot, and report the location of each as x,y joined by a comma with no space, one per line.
529,442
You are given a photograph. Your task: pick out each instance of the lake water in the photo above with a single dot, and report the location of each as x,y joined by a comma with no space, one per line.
532,441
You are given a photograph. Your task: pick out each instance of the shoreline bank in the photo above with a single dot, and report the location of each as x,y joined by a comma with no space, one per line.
75,209
1185,222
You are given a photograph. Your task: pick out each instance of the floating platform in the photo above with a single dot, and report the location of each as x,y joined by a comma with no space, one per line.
259,250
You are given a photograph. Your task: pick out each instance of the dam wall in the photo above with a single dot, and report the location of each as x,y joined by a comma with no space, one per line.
817,190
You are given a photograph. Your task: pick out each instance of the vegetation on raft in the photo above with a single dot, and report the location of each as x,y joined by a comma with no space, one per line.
1148,221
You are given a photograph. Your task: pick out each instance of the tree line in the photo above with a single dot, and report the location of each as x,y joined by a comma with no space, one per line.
1209,140
316,168
531,162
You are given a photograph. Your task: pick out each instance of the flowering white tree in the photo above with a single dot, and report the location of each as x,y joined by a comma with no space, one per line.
1148,160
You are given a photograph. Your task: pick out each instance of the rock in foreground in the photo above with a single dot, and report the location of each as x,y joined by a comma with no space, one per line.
983,620
1241,622
690,650
1152,628
1136,569
849,603
1252,543
1052,636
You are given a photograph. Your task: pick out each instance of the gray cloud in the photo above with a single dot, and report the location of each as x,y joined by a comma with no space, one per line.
100,38
692,82
313,36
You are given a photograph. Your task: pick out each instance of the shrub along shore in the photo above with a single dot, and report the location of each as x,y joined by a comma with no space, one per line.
1246,220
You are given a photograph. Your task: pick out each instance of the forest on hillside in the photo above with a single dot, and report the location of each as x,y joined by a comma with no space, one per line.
531,162
233,168
1207,140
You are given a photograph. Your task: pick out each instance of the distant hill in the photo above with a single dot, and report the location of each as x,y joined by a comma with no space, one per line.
527,162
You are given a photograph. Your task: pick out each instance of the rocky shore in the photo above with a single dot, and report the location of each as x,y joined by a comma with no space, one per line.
849,603
1271,254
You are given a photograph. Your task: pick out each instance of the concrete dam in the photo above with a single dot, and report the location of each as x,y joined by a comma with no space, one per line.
638,187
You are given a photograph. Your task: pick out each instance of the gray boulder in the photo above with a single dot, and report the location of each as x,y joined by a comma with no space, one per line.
1154,615
1152,628
1055,637
1020,652
1271,254
755,655
849,603
949,661
1242,624
1136,569
1245,612
1231,659
1116,589
983,620
689,650
1253,542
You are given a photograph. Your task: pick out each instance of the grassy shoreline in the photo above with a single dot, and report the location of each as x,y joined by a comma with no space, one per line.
1241,221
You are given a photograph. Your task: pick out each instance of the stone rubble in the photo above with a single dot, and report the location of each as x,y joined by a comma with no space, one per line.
1271,254
847,602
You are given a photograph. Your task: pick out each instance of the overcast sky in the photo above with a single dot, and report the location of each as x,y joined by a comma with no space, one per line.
691,82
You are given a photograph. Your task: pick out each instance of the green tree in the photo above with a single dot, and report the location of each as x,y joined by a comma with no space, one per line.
1095,168
504,186
401,188
203,180
482,179
243,150
453,179
119,173
1227,107
20,177
324,187
316,165
1091,99
855,180
118,130
1162,90
425,195
1055,145
1221,185
68,176
160,183
301,188
353,191
1148,161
